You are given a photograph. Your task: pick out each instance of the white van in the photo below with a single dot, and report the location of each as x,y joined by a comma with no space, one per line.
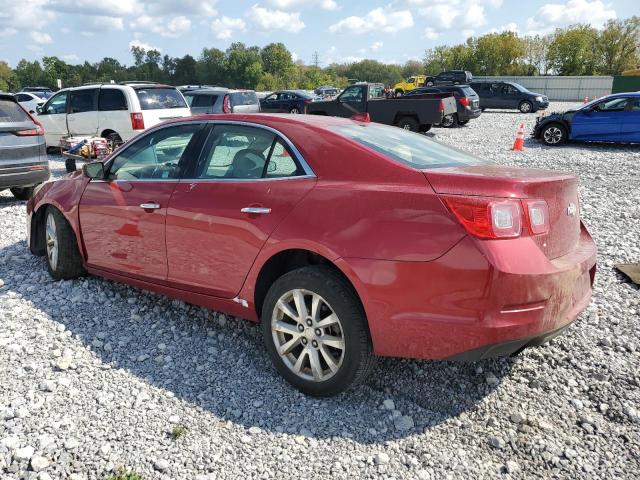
116,112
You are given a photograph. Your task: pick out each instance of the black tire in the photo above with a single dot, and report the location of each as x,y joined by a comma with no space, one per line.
22,193
462,122
425,127
525,106
294,110
358,356
68,264
553,134
429,83
399,93
408,123
114,140
482,109
450,121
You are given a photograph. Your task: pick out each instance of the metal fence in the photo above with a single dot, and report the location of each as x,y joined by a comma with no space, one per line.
562,88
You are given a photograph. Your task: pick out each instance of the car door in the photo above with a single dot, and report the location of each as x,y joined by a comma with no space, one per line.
244,184
351,101
601,121
53,117
270,104
82,118
122,218
630,130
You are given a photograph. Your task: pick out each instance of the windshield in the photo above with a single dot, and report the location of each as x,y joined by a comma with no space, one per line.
409,148
160,98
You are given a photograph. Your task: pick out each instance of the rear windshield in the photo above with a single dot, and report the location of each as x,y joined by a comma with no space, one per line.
160,98
243,98
11,112
203,100
412,149
468,91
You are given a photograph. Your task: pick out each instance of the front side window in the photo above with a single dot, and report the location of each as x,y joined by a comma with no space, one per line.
111,99
82,101
244,153
615,105
57,104
155,156
352,95
635,104
271,98
412,149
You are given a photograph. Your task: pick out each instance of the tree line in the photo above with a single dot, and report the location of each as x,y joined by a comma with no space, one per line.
576,50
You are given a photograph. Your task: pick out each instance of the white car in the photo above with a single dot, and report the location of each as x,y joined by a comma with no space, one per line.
117,112
29,101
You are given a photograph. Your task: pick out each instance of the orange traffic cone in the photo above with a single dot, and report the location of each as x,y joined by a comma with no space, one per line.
586,100
518,144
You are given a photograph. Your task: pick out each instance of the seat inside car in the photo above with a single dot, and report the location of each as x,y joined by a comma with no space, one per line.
247,163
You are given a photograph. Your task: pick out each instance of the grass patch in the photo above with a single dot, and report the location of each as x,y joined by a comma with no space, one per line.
178,432
123,474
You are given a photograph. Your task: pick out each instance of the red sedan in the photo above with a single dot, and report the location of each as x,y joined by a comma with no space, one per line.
347,239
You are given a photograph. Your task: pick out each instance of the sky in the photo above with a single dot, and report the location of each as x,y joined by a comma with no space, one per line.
339,31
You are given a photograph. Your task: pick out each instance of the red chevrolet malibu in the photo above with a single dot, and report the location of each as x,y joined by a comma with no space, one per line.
346,239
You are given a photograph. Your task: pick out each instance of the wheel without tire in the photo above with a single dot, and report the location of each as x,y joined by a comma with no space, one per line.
294,110
316,332
22,193
408,123
450,121
63,258
525,107
553,134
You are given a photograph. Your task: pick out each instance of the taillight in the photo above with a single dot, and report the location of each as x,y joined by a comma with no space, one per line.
308,101
137,121
464,101
31,132
487,217
537,212
226,105
441,106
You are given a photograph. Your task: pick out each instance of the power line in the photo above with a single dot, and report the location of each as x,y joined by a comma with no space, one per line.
315,59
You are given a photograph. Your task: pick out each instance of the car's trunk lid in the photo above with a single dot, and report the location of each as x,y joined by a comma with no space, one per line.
559,190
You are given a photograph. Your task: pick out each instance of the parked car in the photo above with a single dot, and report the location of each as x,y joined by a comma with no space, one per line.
326,91
449,77
509,95
23,157
467,102
221,100
408,85
614,118
412,114
116,112
30,101
42,92
287,101
347,239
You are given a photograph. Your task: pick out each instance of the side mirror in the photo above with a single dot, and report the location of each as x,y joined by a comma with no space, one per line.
94,170
39,109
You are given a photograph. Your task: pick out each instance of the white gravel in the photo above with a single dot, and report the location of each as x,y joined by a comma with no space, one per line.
96,376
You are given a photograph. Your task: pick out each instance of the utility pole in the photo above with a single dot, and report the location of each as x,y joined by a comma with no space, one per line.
315,59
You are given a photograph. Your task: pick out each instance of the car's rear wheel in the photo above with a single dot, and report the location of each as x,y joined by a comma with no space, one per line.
429,83
450,120
316,332
22,193
399,93
408,123
463,122
63,257
553,134
294,110
525,106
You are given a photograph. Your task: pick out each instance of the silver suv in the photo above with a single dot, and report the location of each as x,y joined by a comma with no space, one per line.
206,100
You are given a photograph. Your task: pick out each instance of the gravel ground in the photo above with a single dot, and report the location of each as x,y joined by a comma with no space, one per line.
96,376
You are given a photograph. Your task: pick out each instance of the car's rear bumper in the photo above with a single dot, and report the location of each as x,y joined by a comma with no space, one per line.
467,114
464,305
23,176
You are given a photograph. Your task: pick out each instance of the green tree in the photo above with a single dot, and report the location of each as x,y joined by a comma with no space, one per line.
244,65
184,71
211,69
495,54
29,73
618,46
572,51
535,53
9,81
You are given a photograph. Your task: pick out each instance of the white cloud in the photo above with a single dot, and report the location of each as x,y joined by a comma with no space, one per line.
113,8
41,38
71,57
35,48
7,31
430,34
143,45
17,15
268,20
454,14
176,27
204,8
553,15
509,27
377,19
224,27
376,46
295,4
106,23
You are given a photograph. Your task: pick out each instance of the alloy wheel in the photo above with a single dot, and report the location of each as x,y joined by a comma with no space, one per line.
525,107
308,335
52,242
552,135
294,110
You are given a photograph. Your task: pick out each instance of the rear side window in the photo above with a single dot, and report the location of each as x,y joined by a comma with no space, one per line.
204,100
83,101
406,147
160,98
111,99
243,98
21,97
10,112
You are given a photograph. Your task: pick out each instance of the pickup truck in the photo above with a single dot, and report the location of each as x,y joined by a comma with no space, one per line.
409,84
416,115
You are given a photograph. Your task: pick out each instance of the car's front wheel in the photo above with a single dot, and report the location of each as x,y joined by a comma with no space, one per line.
22,193
525,107
294,110
316,332
408,123
63,257
553,134
429,83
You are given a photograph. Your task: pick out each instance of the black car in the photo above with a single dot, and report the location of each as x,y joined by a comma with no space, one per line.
449,77
509,95
287,101
23,157
467,101
207,100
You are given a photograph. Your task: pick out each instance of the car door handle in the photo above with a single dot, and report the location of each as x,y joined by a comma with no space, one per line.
150,206
256,210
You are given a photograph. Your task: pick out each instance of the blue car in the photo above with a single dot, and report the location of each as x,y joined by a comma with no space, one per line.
286,101
614,118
